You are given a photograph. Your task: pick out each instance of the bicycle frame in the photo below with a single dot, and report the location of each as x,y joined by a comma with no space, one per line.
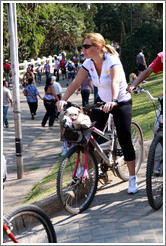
9,233
98,149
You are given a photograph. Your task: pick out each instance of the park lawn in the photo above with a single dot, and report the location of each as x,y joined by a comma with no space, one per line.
46,186
143,109
143,113
154,76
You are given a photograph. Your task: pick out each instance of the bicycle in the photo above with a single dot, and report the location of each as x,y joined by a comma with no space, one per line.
76,196
28,224
154,170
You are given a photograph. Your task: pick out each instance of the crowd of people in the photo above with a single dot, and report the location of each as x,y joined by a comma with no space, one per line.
64,69
98,64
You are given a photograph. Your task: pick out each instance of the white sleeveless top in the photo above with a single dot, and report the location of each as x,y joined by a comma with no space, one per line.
104,81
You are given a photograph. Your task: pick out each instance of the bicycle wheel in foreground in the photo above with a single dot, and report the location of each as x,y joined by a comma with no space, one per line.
154,173
137,140
76,196
30,224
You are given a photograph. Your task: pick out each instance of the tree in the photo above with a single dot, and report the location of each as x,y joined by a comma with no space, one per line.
114,22
42,27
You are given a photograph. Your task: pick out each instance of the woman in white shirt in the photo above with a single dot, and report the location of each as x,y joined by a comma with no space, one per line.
56,68
108,76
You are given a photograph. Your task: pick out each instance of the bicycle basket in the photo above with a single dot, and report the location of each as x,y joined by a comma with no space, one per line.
71,135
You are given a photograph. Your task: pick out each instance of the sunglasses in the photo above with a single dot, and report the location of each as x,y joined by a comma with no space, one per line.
87,46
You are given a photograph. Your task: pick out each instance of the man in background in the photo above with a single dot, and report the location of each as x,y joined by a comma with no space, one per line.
7,98
140,61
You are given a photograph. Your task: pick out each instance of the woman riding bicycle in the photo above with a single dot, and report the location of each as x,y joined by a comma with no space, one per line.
107,74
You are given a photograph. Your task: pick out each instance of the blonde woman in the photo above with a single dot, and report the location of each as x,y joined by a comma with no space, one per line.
107,74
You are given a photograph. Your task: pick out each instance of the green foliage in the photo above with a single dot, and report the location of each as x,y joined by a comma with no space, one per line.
44,26
151,43
133,26
47,28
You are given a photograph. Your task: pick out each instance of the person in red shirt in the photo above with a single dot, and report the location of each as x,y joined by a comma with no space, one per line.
156,66
7,68
63,68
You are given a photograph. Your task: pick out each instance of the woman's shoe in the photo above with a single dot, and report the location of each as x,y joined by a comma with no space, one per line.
133,187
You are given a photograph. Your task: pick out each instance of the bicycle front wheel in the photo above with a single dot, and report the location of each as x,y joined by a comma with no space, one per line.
30,224
137,140
76,196
154,173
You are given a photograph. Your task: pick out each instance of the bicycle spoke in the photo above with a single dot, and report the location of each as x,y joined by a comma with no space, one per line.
77,193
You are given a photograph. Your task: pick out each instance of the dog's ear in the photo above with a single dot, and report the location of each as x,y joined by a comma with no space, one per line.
80,111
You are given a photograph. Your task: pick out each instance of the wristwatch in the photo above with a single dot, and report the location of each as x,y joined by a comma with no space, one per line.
115,100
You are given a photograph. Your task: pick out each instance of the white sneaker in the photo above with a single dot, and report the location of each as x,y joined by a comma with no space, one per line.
132,188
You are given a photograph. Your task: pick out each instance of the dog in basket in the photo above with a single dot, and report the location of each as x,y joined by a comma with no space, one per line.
74,117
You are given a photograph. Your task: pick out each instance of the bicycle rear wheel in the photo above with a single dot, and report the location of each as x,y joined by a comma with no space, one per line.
76,196
30,224
137,140
154,180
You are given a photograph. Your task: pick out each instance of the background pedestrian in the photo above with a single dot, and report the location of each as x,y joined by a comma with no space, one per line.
47,69
50,99
39,73
56,68
7,98
140,61
31,93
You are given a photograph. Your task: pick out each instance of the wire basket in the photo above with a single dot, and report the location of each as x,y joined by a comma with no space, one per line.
71,135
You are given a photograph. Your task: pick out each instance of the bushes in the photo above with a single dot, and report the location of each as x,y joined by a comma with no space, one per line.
149,37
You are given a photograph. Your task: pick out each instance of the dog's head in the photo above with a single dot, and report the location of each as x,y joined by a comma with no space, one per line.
72,113
132,77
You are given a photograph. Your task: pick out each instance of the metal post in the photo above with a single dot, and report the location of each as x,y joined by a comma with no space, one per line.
12,23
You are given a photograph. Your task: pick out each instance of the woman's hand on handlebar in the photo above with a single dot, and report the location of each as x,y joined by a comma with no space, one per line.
109,106
60,104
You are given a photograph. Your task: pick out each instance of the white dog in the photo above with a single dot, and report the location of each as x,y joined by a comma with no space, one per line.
77,118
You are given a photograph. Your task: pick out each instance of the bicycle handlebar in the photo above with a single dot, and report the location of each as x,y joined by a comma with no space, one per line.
142,90
86,108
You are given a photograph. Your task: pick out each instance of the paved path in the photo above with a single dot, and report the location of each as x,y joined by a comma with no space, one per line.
41,147
113,217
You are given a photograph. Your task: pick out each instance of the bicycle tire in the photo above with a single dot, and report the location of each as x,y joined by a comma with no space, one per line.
154,183
30,224
137,140
75,198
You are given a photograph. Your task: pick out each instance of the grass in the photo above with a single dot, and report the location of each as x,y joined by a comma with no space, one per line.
143,109
143,113
46,186
154,76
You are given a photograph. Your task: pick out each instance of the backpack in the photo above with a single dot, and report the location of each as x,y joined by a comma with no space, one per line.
70,67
